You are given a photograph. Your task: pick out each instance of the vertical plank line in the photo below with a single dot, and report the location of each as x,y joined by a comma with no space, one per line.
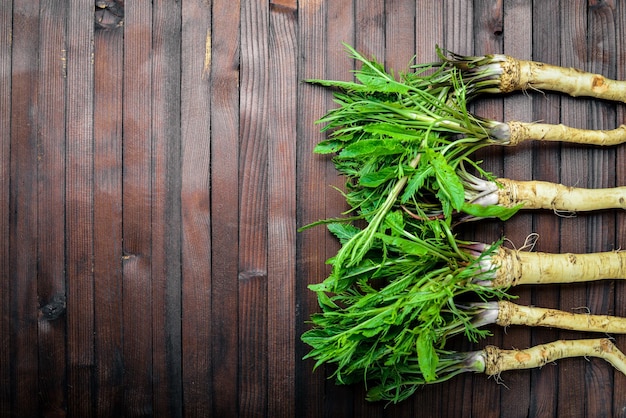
196,209
225,62
488,19
516,34
108,175
6,40
253,200
253,103
137,215
546,160
342,19
281,235
574,166
619,380
311,195
23,227
166,218
79,207
601,44
51,287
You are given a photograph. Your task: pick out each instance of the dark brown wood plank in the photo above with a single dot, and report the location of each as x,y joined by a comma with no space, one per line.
281,234
369,26
369,29
23,208
253,342
108,171
429,29
51,210
195,206
399,27
340,26
137,198
517,164
488,27
225,206
166,224
428,32
79,208
312,192
574,171
286,5
602,48
545,107
619,380
6,18
253,142
399,34
457,34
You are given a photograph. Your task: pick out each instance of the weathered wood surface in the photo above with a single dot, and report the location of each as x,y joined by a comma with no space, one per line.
154,174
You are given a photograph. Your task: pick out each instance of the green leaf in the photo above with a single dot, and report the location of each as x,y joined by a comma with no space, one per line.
328,146
377,178
394,131
344,85
375,78
344,232
404,245
373,75
416,181
395,221
491,211
426,355
319,287
449,182
371,147
326,302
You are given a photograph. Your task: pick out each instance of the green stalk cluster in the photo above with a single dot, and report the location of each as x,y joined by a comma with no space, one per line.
398,301
404,144
403,147
391,301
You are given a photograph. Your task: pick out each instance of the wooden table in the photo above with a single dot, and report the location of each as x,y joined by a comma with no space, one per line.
154,173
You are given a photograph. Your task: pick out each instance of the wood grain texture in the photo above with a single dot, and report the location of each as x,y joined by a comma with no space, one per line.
545,157
137,186
254,118
343,21
79,208
488,27
619,380
108,226
51,286
225,206
459,17
166,206
23,207
311,188
155,173
281,229
6,16
601,27
574,170
516,33
196,245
